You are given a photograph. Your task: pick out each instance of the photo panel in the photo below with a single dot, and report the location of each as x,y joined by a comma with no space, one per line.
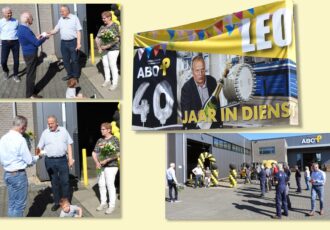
233,71
247,176
60,51
65,163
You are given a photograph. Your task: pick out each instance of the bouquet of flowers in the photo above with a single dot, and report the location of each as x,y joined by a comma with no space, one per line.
107,151
108,36
28,136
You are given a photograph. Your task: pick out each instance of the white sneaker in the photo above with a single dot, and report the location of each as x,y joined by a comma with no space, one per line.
105,83
101,207
110,210
16,79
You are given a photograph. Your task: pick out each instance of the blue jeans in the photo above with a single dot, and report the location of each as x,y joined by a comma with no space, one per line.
17,186
319,191
70,57
307,182
198,178
58,171
6,46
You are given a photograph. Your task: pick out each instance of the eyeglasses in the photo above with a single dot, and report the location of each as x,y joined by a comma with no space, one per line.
103,129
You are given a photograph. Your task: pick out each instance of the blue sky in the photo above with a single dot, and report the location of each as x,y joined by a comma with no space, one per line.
257,136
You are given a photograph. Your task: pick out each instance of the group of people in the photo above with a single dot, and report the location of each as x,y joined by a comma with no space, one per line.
55,145
279,175
14,34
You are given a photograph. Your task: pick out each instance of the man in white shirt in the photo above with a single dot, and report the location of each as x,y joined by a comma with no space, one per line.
15,157
198,175
70,30
9,42
172,182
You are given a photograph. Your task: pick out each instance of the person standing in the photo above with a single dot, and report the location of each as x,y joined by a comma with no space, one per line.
30,44
248,175
15,157
208,175
198,175
268,180
109,48
288,173
57,144
281,180
172,182
9,42
318,179
262,179
307,176
70,31
298,179
109,167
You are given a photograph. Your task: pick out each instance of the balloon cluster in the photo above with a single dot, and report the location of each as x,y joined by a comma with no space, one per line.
115,124
115,11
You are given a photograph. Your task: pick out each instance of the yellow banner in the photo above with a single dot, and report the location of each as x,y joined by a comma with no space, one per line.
264,31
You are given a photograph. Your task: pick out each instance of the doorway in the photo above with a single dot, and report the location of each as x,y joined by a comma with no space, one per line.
194,149
90,117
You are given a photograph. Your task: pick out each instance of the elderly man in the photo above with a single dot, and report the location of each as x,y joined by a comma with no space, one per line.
172,182
318,179
30,44
57,144
15,156
69,27
9,42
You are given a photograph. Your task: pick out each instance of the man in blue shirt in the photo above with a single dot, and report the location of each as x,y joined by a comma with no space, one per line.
15,157
30,44
9,42
318,179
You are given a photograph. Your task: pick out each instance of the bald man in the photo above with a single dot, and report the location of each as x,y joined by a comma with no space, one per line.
30,44
57,143
9,42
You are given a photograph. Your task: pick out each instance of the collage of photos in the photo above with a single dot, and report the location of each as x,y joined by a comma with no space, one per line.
55,160
62,101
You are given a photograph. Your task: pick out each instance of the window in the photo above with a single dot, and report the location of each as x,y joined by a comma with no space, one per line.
222,144
267,150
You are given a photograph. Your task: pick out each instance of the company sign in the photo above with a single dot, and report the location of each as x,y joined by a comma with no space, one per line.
312,140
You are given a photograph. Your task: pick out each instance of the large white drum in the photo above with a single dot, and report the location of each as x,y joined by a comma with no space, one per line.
239,85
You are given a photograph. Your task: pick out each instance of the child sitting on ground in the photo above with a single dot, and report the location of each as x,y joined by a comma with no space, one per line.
71,91
69,210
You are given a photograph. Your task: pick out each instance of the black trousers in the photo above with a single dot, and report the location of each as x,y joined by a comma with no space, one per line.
31,72
171,186
7,46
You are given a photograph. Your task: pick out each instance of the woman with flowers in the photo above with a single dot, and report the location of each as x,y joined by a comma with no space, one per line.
107,41
105,155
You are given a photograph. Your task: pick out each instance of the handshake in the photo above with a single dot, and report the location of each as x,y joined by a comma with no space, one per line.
44,35
39,152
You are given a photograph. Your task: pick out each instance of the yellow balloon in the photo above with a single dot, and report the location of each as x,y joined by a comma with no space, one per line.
117,134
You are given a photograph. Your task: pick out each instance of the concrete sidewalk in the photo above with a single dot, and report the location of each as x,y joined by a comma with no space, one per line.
50,85
40,201
241,203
